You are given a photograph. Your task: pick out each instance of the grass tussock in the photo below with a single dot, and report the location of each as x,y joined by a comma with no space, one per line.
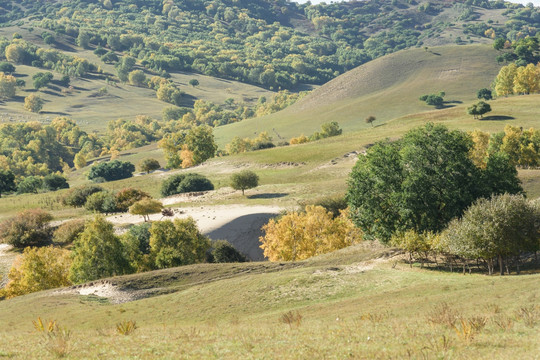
54,339
291,318
126,327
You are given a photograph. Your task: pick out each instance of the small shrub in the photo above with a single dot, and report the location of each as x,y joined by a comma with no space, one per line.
68,232
291,318
112,170
182,183
148,165
503,322
30,185
53,182
467,329
224,252
76,197
28,228
129,196
145,207
126,327
443,315
101,202
529,315
56,340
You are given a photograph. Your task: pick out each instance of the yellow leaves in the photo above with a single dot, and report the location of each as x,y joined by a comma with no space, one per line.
299,140
518,80
38,269
300,235
479,151
187,157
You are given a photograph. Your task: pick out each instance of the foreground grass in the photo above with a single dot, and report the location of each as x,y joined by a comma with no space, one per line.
341,307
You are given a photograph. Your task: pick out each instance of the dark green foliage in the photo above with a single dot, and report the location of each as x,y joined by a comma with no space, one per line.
420,182
76,197
224,252
7,181
53,182
112,170
65,80
479,109
194,82
6,67
148,165
193,183
101,202
137,246
500,176
98,253
182,183
30,185
484,94
42,79
245,179
28,228
129,196
434,99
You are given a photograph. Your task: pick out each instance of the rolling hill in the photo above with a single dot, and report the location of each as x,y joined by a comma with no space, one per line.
387,88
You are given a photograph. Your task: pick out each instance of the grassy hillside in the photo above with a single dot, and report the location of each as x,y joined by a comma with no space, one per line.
360,302
387,88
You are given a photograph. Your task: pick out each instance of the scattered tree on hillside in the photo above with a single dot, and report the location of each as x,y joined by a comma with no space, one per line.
194,82
7,181
42,79
27,228
97,253
245,179
370,120
301,235
484,94
434,99
479,109
149,164
183,183
33,103
420,182
38,269
177,243
137,78
8,86
7,68
146,207
200,140
77,197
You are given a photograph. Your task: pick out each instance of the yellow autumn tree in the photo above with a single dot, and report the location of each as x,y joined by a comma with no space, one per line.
511,143
504,83
527,79
479,151
38,269
187,157
300,235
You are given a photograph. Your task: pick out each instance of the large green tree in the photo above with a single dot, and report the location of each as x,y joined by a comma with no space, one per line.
177,243
200,140
98,253
420,182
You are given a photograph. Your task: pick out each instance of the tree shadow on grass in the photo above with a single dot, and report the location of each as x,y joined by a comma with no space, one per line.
187,100
267,196
53,113
497,118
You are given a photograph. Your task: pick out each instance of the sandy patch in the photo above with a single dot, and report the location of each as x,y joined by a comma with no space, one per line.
238,224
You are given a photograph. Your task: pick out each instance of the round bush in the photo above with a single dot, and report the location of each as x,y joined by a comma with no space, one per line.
224,252
194,182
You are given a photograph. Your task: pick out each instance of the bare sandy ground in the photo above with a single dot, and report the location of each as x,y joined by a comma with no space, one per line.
238,224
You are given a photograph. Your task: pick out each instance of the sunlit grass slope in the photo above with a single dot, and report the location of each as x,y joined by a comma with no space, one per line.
387,88
351,304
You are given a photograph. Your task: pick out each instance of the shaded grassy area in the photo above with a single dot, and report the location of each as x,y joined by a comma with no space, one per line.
350,307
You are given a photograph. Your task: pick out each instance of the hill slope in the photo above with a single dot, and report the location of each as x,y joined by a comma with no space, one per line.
386,88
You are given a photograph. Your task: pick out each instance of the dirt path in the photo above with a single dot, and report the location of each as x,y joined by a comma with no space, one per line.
6,260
